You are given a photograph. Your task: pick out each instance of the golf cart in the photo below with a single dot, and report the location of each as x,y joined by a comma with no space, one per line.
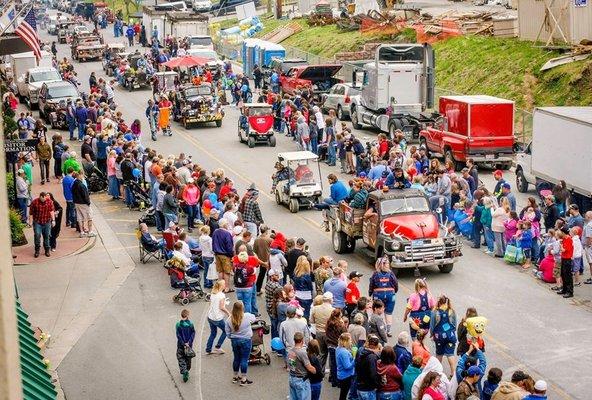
114,52
303,188
255,124
166,80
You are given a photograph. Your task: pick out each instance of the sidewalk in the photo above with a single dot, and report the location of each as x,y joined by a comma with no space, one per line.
68,241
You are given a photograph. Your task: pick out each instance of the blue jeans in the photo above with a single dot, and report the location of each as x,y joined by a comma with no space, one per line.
244,295
315,390
113,188
274,327
534,250
306,304
241,349
331,153
129,196
168,218
314,145
81,130
207,261
192,212
214,326
71,127
367,395
477,229
489,239
22,204
70,214
42,230
390,396
299,388
254,308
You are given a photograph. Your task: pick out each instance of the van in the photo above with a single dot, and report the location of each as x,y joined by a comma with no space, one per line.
200,42
172,6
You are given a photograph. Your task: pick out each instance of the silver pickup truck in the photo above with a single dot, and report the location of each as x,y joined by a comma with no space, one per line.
30,84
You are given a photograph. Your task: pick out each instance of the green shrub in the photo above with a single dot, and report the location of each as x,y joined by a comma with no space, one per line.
10,188
17,228
10,125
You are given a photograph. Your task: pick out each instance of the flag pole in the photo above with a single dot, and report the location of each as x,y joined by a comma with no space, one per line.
25,7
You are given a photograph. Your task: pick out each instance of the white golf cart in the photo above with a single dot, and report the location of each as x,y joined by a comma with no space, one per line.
304,187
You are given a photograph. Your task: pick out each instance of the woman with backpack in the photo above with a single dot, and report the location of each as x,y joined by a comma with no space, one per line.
443,330
245,278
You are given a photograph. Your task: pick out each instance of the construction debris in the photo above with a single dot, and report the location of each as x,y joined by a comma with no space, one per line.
281,33
580,52
367,52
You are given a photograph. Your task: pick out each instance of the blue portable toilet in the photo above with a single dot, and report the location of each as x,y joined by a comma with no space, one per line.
249,56
268,51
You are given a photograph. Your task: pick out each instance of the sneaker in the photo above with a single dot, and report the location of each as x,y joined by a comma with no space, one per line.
246,382
92,234
235,379
185,376
47,253
219,351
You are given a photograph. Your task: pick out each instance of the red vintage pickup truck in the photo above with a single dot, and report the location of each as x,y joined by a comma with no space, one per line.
320,78
477,127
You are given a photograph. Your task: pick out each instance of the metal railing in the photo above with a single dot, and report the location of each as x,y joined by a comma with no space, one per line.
522,118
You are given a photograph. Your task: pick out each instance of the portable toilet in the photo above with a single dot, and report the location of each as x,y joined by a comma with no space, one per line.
249,56
268,51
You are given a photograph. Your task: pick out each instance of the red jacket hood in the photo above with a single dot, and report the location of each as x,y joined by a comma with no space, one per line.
279,242
412,226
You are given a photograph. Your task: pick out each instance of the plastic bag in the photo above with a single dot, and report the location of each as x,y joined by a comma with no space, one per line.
212,274
514,255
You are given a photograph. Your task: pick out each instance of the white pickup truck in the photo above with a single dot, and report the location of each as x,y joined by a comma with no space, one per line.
30,83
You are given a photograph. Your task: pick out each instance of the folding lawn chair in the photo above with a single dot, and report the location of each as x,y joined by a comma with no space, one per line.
148,250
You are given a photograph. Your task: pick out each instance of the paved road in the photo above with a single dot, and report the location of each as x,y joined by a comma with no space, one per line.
128,352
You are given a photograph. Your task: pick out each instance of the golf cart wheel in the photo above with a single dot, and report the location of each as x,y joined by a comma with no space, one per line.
278,197
446,268
294,206
267,359
219,123
251,142
272,141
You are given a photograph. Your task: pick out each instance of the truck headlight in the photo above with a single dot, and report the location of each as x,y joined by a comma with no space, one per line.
395,246
450,240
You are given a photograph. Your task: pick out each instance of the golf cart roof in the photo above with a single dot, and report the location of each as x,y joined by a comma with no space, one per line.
116,45
165,73
297,156
257,105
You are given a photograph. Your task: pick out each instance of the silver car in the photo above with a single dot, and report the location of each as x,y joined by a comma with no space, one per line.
339,99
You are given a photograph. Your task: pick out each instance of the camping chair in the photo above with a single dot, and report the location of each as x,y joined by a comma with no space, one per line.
148,250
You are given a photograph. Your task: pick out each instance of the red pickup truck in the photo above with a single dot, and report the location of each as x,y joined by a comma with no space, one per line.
478,127
320,78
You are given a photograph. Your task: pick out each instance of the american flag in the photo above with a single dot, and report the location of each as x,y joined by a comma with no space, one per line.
27,30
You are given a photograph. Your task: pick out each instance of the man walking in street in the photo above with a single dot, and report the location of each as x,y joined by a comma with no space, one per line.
81,200
42,218
252,213
185,335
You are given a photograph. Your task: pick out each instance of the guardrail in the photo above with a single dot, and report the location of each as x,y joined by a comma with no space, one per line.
522,118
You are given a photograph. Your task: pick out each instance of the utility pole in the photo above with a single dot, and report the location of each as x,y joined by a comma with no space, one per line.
10,371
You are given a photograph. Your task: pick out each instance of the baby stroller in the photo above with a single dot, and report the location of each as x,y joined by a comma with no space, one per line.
148,217
258,354
190,287
97,181
142,198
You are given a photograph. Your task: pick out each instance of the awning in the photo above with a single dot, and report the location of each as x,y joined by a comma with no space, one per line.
37,383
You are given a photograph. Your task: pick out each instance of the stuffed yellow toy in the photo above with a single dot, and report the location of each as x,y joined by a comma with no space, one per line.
475,329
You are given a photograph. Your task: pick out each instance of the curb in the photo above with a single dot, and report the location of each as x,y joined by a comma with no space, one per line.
86,247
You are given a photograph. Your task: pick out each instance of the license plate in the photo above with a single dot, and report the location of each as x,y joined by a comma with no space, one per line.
489,156
417,243
428,259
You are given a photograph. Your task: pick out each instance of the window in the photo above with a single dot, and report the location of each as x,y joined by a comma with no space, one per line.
43,76
404,205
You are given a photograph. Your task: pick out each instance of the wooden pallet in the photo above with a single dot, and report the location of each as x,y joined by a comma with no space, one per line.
281,33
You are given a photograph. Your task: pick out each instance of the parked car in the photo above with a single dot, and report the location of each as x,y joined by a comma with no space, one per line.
339,99
202,5
319,78
281,65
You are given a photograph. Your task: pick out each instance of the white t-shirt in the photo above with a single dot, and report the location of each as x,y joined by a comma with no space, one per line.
577,247
214,312
147,168
205,244
231,217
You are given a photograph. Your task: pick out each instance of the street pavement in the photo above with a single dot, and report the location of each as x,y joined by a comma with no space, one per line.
113,331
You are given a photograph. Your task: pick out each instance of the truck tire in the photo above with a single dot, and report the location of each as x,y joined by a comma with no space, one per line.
448,156
219,123
340,241
340,115
272,141
278,197
521,182
251,142
446,268
354,118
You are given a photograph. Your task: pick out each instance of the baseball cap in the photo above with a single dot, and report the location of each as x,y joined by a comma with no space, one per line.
506,186
519,376
574,207
355,274
373,339
540,385
473,371
272,272
327,296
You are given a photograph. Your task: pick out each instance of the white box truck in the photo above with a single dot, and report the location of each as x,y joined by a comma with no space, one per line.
561,149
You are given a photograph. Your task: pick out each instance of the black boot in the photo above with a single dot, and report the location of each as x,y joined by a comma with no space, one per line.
36,253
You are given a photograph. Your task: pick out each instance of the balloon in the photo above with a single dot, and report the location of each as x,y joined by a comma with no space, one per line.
276,344
207,204
136,173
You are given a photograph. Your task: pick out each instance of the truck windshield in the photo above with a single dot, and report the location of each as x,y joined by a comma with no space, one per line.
62,91
200,41
404,205
198,91
401,54
44,76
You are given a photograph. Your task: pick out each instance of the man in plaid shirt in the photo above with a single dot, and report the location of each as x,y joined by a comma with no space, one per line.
41,215
252,213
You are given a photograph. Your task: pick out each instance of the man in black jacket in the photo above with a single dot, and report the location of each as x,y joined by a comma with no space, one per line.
551,213
292,256
81,200
127,174
367,378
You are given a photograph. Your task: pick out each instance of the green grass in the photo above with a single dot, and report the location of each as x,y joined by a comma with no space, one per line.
507,68
123,5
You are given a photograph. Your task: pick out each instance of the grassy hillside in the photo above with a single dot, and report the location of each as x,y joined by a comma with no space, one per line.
507,68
